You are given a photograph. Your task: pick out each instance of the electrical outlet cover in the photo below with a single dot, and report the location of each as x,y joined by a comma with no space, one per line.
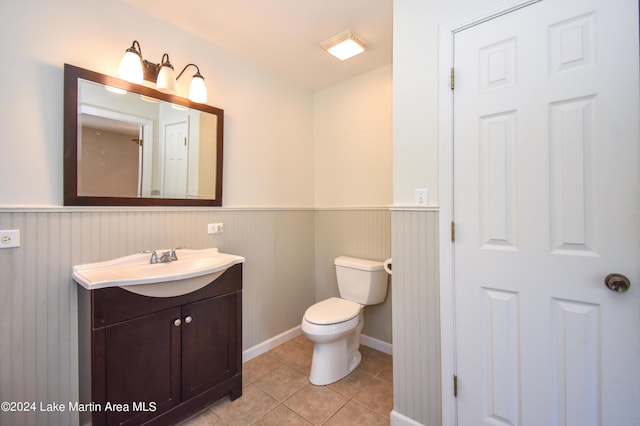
215,228
10,238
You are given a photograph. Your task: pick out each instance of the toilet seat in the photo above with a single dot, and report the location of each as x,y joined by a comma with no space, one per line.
332,311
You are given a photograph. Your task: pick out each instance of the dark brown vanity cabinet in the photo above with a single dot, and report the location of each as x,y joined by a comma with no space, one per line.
147,360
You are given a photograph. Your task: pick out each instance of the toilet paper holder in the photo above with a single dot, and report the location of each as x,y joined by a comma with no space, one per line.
388,266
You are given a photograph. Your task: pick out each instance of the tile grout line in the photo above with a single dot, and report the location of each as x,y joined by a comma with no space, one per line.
294,358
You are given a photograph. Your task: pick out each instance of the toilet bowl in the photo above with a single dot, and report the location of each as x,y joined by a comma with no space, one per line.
334,324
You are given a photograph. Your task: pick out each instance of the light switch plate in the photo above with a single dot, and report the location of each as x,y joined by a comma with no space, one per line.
421,196
10,238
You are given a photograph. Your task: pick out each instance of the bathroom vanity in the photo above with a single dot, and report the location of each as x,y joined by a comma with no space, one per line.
158,360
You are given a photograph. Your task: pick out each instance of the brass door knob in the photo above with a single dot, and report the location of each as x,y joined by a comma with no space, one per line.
617,282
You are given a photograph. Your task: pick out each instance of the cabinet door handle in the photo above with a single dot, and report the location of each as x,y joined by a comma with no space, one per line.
188,319
177,322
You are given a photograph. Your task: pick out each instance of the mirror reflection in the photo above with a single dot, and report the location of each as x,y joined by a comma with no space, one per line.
140,147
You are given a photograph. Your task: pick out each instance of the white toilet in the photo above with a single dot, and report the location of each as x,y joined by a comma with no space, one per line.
334,325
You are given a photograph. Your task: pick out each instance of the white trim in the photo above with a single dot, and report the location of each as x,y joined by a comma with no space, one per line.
398,419
487,13
296,331
414,208
445,118
376,344
82,209
447,307
271,343
90,209
348,208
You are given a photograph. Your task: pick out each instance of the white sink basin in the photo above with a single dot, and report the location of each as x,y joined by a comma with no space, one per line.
193,270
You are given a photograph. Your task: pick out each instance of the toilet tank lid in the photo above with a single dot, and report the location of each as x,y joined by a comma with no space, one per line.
362,264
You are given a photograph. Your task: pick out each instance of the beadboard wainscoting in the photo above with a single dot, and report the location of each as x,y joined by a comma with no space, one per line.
363,233
416,317
38,315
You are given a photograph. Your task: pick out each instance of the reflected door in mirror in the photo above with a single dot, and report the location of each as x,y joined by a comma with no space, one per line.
127,144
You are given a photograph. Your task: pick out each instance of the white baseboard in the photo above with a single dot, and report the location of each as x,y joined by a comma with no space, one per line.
269,344
398,419
376,344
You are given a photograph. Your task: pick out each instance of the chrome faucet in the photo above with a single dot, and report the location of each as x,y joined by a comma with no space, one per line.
167,256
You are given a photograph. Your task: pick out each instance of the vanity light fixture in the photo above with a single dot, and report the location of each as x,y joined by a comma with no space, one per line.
135,69
345,45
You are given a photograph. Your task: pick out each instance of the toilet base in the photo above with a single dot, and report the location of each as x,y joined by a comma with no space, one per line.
329,363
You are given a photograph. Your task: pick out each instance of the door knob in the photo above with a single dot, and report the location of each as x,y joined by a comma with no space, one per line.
177,322
617,282
188,319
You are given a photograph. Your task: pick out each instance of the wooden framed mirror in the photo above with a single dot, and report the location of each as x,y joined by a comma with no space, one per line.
130,145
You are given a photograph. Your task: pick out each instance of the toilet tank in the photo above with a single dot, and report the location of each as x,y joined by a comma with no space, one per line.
360,280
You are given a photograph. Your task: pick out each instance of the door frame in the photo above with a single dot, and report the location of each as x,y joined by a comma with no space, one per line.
145,161
448,355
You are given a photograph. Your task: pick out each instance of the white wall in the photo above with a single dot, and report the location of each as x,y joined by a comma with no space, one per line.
352,135
284,146
416,90
268,122
353,169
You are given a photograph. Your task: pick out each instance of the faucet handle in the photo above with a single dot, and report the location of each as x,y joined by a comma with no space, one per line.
173,252
154,257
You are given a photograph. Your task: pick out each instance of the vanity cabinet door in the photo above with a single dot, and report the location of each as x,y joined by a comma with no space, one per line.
142,366
209,343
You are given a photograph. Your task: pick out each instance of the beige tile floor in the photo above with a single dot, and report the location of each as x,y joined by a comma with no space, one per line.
276,391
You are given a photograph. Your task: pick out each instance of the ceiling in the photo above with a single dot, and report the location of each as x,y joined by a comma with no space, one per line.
284,36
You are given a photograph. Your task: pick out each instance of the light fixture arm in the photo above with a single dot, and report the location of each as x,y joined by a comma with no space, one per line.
165,61
133,49
187,66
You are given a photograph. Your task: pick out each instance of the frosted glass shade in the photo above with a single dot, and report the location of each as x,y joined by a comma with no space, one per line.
131,67
166,79
198,90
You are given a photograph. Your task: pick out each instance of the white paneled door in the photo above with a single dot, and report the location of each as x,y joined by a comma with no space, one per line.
546,206
176,159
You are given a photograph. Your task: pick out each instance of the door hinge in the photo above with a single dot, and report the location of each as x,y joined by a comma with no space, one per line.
455,385
453,231
453,78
